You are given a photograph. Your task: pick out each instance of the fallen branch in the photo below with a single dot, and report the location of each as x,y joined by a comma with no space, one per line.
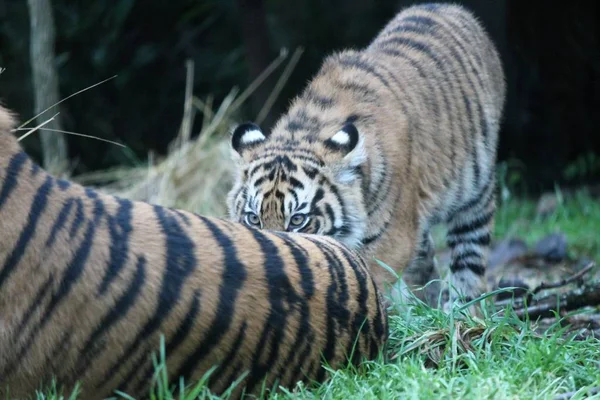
529,298
546,308
566,281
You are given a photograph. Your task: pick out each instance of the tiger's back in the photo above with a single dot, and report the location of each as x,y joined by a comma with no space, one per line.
89,282
400,136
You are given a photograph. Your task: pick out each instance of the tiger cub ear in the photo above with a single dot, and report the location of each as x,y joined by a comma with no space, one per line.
246,136
350,143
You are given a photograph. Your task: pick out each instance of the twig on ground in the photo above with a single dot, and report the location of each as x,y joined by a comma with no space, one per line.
589,296
566,281
517,303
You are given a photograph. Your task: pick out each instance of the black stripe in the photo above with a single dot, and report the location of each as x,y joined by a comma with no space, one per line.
481,240
91,193
281,294
60,222
183,331
430,6
299,373
38,206
482,197
70,277
77,264
329,214
10,178
55,356
119,229
35,169
231,354
462,256
63,184
373,238
305,330
346,228
468,76
180,263
478,222
395,52
259,181
317,98
117,312
296,184
135,369
186,325
300,255
361,326
380,323
35,304
476,268
355,61
79,218
235,374
376,201
431,99
310,172
455,32
296,201
426,49
281,198
365,93
182,215
233,278
338,315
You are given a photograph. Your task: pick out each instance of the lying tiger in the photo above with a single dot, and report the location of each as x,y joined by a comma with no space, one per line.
89,282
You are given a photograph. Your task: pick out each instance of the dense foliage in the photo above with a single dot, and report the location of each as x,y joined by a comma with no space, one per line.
550,55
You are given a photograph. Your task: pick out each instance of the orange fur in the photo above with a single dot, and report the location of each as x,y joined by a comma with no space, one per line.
89,282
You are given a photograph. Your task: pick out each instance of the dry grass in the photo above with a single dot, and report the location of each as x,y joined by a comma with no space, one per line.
196,174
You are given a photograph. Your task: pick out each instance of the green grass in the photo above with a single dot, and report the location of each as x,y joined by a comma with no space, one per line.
433,355
577,216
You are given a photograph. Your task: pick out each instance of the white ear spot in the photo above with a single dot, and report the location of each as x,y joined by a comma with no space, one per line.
253,136
342,138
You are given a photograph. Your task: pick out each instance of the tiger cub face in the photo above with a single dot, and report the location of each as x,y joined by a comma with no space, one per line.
310,185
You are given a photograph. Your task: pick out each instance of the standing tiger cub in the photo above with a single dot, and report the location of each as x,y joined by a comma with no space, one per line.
384,143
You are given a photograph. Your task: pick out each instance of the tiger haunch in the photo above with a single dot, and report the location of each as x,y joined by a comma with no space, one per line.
89,282
383,144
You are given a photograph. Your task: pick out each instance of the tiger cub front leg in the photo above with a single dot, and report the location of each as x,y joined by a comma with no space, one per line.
469,237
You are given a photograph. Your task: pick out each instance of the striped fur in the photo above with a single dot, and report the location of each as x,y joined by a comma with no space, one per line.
383,144
89,282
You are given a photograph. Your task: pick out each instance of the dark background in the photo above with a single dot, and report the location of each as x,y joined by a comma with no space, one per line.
550,51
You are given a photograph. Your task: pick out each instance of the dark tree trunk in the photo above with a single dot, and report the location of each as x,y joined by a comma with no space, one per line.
45,83
259,54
